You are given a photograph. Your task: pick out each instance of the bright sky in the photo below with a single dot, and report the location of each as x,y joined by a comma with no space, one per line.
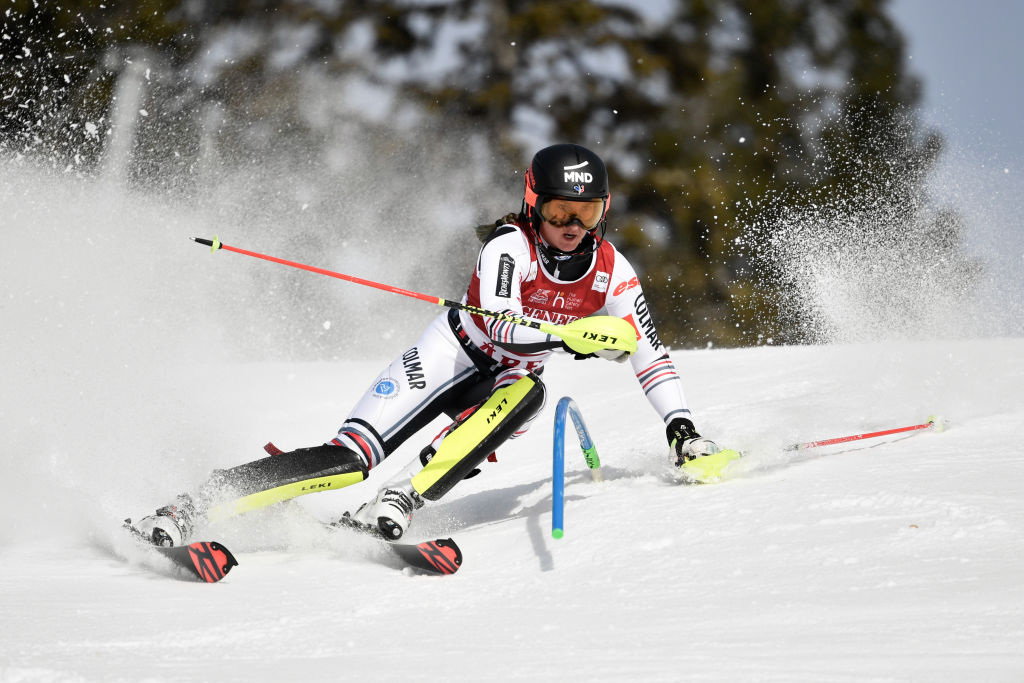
970,56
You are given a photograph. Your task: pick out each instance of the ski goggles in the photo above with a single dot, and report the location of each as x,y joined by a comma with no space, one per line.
561,212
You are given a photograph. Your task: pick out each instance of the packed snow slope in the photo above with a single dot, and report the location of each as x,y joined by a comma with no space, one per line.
134,363
895,559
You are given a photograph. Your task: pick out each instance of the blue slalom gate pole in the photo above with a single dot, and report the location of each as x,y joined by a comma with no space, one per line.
566,406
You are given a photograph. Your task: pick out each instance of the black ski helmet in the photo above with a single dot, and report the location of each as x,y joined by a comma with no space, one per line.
566,171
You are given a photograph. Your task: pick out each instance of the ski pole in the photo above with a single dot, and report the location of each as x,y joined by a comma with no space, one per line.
933,423
585,335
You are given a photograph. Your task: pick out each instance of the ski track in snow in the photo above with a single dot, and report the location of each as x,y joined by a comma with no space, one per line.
894,559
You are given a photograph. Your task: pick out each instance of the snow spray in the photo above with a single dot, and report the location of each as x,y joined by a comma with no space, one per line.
945,264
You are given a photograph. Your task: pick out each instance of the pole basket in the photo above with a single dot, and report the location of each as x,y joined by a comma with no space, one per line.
568,408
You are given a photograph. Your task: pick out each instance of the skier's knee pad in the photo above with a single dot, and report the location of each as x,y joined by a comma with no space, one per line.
510,406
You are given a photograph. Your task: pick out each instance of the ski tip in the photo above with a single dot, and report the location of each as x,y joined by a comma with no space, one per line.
708,469
207,561
440,556
443,554
211,560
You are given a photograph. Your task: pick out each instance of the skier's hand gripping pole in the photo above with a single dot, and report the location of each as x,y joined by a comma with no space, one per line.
586,335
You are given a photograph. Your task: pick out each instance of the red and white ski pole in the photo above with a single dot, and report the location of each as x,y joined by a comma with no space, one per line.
935,423
585,335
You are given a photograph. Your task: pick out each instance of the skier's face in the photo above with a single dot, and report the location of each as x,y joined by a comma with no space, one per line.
566,238
564,223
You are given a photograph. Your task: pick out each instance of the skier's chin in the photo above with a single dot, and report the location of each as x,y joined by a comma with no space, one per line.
567,244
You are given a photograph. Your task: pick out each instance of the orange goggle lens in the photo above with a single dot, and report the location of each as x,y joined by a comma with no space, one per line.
561,212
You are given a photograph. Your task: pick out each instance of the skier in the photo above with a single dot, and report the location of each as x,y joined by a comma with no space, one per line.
551,263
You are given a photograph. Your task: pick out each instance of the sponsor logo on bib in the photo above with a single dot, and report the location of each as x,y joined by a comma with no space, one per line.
503,287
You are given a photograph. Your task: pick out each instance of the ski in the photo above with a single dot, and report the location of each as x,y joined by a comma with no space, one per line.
440,556
207,561
211,561
708,469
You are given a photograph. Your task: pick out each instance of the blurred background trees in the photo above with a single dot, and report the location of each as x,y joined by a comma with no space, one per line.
717,119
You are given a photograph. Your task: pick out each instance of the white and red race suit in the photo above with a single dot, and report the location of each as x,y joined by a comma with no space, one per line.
460,358
510,277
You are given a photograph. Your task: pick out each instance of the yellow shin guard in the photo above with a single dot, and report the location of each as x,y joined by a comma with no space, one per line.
464,448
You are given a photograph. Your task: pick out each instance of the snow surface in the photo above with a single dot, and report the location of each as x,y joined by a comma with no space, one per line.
896,559
891,560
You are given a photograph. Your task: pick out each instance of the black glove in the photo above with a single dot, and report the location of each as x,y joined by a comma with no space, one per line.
576,354
607,354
